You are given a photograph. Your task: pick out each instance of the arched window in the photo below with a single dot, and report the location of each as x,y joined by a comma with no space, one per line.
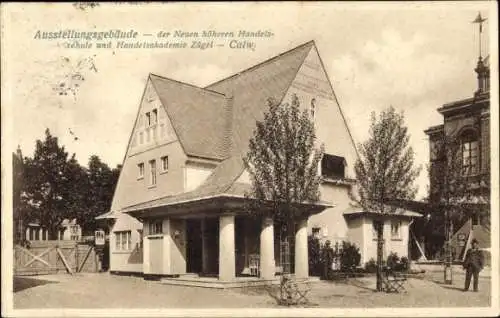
313,107
470,152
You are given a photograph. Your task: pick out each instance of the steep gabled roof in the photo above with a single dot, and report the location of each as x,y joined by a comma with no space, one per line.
252,88
199,117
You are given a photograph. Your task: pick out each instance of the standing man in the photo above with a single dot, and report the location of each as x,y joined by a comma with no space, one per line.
473,264
327,260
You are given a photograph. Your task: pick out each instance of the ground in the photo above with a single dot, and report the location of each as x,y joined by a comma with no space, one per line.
92,290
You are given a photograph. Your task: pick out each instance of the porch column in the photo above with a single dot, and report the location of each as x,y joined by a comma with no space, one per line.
27,234
267,263
204,246
227,262
301,257
40,234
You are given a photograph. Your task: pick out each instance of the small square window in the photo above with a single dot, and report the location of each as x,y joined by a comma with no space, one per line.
140,166
156,227
164,163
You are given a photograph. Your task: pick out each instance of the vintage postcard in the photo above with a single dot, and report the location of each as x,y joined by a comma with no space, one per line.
250,159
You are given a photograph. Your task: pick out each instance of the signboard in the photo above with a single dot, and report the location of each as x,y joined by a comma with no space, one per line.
99,237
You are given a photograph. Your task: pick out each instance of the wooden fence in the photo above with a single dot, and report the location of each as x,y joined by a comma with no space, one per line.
50,257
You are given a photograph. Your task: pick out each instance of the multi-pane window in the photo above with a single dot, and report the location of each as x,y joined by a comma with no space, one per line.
164,163
152,172
395,229
469,156
123,241
140,167
155,227
74,233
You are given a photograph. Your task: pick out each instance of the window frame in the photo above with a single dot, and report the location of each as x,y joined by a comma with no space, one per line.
123,241
152,173
396,236
164,168
154,117
140,166
312,109
330,171
155,227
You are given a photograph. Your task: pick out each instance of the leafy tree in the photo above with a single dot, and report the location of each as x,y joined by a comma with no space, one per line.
101,186
282,162
51,186
385,169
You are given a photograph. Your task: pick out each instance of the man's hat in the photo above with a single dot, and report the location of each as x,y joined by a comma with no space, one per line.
474,241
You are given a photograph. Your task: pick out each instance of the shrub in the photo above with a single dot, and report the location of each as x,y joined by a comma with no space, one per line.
405,264
350,256
393,260
371,266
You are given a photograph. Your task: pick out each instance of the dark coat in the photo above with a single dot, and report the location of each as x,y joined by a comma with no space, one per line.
328,255
474,259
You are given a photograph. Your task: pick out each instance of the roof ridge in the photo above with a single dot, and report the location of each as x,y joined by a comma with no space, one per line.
188,84
311,42
228,133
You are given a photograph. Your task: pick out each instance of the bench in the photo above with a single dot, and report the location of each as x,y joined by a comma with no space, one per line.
294,291
393,282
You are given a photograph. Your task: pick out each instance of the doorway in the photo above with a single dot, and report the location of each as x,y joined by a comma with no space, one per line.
193,246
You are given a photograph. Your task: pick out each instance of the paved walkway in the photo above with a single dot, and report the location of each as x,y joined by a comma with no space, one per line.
109,291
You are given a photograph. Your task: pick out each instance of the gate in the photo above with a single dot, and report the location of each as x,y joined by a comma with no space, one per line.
50,257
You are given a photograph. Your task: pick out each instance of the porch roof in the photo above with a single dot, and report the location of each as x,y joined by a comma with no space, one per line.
205,206
107,215
355,211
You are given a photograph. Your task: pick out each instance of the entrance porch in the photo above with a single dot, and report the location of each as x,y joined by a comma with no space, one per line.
217,242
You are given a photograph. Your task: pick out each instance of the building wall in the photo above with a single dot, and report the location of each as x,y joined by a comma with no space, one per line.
195,175
331,129
356,235
331,221
131,260
399,246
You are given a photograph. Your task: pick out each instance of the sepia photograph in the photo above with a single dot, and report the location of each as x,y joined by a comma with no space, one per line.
250,159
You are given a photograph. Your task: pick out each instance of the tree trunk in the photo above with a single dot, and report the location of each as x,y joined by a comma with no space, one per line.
380,253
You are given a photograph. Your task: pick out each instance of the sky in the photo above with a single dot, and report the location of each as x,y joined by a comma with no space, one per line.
412,56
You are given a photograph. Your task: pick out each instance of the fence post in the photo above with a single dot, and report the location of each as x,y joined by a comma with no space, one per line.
76,257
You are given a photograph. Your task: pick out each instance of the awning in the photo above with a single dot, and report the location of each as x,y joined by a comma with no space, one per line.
423,207
107,215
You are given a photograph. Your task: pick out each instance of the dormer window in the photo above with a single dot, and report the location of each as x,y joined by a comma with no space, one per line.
333,167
